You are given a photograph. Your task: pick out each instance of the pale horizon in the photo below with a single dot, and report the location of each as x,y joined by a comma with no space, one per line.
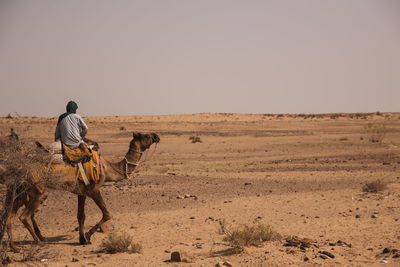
126,58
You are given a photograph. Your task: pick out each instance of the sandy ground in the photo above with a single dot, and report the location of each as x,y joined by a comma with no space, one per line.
302,175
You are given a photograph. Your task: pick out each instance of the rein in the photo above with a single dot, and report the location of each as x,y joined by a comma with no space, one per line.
127,163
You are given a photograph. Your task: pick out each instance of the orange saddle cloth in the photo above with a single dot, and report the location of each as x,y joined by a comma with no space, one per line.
90,160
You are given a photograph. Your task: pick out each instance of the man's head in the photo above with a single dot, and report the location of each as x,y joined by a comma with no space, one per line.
72,107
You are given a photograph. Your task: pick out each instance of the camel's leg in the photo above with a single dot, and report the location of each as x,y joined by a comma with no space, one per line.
36,228
81,219
35,225
17,204
26,216
98,199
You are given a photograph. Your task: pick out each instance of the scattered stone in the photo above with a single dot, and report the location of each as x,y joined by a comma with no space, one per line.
167,251
75,260
396,255
330,255
192,218
179,256
342,243
386,250
323,256
227,263
384,261
187,196
358,216
306,258
374,216
247,183
180,197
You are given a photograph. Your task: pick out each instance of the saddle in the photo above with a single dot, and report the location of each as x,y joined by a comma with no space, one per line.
85,160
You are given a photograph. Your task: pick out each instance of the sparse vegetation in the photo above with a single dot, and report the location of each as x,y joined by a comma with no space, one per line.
195,139
247,235
115,243
376,132
374,186
17,160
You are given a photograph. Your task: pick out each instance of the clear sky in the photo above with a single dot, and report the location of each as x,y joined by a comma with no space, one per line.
155,57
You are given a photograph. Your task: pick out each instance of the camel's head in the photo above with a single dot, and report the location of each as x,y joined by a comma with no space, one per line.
141,142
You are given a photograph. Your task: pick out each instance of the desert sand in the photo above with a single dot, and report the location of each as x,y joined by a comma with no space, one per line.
301,174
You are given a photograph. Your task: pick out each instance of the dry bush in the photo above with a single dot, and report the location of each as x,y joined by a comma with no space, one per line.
17,160
247,235
376,132
195,139
115,243
374,186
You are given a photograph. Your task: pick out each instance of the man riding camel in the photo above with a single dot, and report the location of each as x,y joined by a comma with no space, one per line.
71,129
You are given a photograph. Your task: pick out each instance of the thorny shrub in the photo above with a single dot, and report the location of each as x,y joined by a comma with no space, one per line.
247,235
376,132
115,243
374,186
17,160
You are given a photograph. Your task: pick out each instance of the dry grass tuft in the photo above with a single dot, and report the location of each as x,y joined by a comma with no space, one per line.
374,186
248,235
376,132
195,139
115,243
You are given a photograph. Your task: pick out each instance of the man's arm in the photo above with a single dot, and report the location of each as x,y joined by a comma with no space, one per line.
83,126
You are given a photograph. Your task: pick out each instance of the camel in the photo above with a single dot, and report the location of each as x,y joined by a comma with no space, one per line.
32,198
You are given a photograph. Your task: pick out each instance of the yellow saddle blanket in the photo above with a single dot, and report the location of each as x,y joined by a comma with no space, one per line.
90,161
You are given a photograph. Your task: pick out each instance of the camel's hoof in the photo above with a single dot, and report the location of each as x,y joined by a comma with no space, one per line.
84,239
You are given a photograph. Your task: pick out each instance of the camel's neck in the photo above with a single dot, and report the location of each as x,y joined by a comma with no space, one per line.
116,171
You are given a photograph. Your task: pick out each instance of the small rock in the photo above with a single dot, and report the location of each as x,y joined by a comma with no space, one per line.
330,255
179,256
384,261
386,250
227,263
75,260
180,197
306,258
323,257
358,216
187,196
192,218
374,216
